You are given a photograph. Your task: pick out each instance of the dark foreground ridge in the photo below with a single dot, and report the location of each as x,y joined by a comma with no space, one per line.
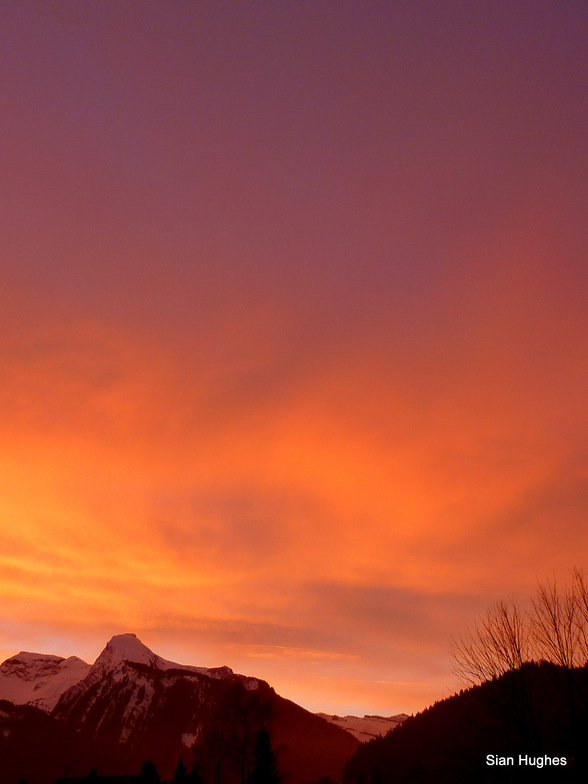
515,728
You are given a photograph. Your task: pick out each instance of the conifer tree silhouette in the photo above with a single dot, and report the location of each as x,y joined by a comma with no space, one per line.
180,776
194,776
265,770
149,774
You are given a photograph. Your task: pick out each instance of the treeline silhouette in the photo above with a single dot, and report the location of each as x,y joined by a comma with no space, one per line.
525,674
177,712
263,768
33,748
227,748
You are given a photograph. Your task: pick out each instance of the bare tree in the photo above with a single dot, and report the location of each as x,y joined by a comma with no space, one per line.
559,623
498,643
497,649
555,630
554,624
508,645
581,591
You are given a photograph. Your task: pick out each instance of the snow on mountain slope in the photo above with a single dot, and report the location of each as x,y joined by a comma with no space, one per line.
128,648
136,675
368,727
132,705
39,679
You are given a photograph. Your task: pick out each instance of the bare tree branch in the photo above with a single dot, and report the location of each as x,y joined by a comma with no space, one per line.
498,643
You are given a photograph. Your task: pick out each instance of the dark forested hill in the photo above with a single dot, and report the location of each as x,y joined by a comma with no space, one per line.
534,712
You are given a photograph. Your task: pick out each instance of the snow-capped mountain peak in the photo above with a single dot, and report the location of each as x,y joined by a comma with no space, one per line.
39,678
126,647
129,648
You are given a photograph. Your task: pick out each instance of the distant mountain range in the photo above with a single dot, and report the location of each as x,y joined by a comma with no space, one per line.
132,705
366,728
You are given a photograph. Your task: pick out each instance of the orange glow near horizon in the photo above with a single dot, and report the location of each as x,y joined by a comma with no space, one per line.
120,519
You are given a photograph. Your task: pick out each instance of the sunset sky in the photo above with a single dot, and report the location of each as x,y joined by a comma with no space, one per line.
293,330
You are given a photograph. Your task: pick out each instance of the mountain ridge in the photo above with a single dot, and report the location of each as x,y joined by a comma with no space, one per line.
367,727
39,679
25,680
122,712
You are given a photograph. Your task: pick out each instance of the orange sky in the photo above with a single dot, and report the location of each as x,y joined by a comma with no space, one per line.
294,339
